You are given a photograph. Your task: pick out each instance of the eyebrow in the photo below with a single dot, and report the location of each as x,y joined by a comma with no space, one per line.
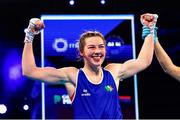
102,44
94,45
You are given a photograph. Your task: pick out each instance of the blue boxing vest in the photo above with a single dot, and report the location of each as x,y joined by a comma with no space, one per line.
96,101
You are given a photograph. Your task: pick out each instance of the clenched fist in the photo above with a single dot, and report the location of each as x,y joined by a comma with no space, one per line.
34,28
149,19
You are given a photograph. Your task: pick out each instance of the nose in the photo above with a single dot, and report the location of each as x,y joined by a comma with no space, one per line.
97,50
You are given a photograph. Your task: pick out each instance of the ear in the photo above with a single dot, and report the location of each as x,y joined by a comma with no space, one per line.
81,54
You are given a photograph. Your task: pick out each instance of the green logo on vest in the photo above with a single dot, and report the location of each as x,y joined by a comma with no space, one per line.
108,88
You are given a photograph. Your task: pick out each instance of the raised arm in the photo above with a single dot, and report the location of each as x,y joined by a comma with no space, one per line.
144,59
46,74
166,62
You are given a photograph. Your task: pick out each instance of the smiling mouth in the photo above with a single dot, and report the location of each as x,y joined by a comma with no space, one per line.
97,58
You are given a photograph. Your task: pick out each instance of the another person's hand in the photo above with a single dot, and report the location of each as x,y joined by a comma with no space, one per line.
149,19
34,28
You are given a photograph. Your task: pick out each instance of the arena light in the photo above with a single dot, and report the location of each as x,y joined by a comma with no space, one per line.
102,2
3,109
15,72
26,107
71,2
12,70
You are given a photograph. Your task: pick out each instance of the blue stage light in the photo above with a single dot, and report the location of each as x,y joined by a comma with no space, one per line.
12,71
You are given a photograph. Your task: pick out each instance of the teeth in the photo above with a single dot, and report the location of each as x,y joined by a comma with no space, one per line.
96,56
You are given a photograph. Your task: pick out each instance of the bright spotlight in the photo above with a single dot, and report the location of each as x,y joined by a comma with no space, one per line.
3,109
71,2
25,107
103,2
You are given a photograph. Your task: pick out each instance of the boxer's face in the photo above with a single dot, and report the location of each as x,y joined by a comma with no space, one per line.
94,51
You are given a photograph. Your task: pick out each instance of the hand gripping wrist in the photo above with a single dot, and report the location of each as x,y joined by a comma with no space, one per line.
146,31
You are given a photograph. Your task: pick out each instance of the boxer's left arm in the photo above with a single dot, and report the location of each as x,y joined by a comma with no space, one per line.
144,59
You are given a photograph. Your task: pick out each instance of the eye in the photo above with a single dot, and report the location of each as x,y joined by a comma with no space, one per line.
91,47
101,46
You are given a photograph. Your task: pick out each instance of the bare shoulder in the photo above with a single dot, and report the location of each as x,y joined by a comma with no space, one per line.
71,72
69,68
115,69
112,66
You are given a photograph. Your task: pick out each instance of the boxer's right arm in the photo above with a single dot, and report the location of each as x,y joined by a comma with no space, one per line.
29,68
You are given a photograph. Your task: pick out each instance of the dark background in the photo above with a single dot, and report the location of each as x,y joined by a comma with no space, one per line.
159,94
